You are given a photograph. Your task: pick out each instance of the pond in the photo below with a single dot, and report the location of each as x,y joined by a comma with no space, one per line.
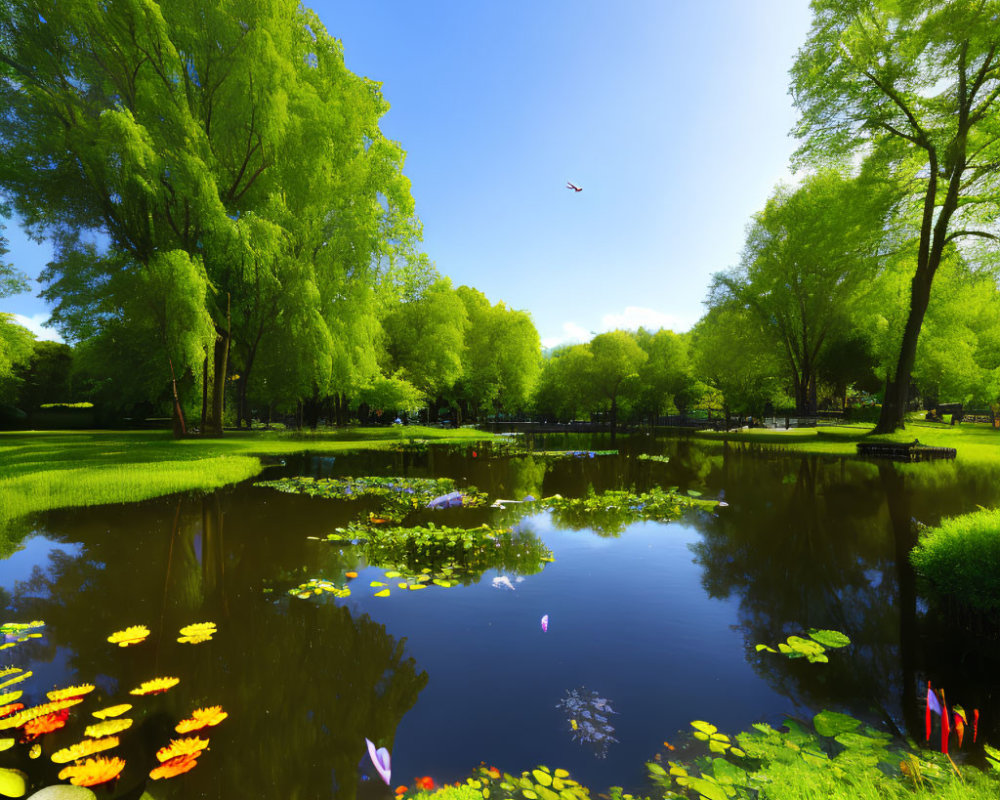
650,625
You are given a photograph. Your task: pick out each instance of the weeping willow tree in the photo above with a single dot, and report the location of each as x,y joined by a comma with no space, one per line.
227,131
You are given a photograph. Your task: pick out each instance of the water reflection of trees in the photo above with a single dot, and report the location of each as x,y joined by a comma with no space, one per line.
808,550
304,683
824,543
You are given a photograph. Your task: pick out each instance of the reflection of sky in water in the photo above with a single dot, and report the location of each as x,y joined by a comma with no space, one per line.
34,552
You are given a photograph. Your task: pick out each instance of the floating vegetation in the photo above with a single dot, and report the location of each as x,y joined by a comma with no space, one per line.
174,767
201,718
574,453
190,746
93,771
155,686
108,728
85,748
540,783
609,512
650,457
587,717
39,726
179,756
317,586
132,635
28,714
814,648
112,711
70,691
14,633
16,679
197,633
396,495
717,742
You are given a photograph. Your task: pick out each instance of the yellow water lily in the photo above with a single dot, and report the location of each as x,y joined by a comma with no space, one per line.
85,748
16,679
201,718
112,711
155,686
28,714
190,746
108,727
70,691
93,771
132,635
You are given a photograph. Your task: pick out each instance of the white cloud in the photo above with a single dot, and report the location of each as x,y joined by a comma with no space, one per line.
571,334
635,317
631,319
34,324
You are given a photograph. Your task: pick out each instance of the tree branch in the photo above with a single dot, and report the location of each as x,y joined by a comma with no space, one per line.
984,234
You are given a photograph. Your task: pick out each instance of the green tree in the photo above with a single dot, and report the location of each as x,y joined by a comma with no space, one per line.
730,355
563,390
426,337
614,370
46,377
502,355
808,256
958,357
164,127
913,86
666,377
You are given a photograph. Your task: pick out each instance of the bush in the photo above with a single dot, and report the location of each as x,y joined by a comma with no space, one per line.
960,559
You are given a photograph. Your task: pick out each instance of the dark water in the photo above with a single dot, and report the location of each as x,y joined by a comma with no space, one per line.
660,620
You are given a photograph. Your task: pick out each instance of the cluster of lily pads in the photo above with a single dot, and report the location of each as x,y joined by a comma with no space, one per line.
650,457
574,453
396,496
83,769
611,511
814,648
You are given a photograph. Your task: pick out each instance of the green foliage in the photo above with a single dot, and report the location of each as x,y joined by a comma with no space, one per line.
814,648
16,347
838,758
396,495
960,558
488,783
608,513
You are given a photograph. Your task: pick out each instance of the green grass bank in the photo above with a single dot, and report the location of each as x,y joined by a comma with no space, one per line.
974,443
42,470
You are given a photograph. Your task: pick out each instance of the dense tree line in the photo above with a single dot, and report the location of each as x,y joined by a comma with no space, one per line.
235,238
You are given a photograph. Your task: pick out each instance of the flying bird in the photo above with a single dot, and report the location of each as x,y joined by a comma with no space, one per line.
574,188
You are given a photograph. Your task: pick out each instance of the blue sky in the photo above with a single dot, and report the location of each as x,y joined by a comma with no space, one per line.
673,115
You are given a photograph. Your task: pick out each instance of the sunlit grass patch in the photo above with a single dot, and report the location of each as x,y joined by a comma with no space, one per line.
42,470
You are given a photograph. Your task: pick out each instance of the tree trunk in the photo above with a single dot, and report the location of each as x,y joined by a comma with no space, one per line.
204,395
220,366
179,428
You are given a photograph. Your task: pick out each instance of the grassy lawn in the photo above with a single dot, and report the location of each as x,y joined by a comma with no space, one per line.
41,470
974,443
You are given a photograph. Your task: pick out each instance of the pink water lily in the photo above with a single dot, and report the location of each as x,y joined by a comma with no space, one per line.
380,758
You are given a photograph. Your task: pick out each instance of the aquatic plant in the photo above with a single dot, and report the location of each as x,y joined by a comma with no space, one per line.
201,718
197,633
814,648
318,586
609,512
836,757
93,771
587,717
396,495
155,686
574,453
651,457
129,636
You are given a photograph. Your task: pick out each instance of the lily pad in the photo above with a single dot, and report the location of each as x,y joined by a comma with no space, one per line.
832,723
832,639
62,791
13,783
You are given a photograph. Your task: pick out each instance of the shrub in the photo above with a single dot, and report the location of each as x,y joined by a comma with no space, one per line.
960,559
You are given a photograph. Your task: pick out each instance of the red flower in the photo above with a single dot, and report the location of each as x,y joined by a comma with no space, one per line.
425,783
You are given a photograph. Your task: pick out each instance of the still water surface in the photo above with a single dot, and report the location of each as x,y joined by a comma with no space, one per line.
658,619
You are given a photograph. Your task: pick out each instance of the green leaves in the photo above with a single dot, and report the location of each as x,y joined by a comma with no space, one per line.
813,649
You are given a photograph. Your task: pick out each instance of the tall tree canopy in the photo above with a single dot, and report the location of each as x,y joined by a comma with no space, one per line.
808,256
227,131
914,87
